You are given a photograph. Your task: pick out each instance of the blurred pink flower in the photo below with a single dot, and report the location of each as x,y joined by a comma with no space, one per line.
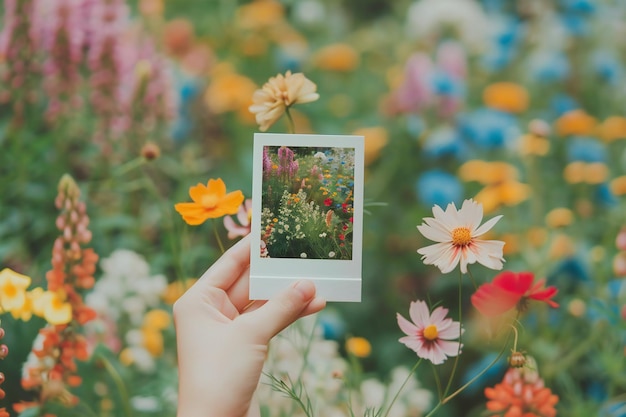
243,217
435,84
430,335
63,41
457,235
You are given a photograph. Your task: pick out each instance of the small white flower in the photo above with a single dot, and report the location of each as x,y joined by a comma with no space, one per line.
323,234
331,254
303,255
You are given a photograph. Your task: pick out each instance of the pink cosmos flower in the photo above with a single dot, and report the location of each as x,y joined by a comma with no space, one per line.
457,233
430,335
509,290
243,217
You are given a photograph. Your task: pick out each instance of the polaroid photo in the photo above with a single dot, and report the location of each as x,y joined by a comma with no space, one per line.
307,214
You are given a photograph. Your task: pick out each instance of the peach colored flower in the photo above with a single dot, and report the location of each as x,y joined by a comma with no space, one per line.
209,201
457,234
521,394
280,93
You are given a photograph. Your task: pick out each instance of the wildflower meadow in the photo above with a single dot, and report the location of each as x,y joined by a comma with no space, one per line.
494,227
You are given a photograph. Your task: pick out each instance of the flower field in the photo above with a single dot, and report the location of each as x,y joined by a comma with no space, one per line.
494,234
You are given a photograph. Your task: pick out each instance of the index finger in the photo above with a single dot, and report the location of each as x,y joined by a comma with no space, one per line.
230,266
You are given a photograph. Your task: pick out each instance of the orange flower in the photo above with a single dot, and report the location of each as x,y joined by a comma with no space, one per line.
521,394
339,57
575,122
209,201
613,128
506,96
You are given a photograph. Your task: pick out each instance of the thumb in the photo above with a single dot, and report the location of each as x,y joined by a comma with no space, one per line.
280,311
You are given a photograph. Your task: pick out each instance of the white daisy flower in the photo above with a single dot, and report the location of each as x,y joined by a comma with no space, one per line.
457,233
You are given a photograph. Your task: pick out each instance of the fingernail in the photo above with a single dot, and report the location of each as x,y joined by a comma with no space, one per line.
305,288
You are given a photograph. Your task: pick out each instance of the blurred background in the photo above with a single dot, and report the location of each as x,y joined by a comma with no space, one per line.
520,105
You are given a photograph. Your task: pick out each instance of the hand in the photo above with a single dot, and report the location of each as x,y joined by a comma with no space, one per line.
222,344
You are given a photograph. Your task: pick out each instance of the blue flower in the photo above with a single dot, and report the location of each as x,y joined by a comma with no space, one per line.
488,128
446,85
585,149
614,408
444,141
579,6
549,66
438,187
607,66
562,103
605,196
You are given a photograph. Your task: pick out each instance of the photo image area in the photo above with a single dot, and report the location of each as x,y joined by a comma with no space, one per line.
307,202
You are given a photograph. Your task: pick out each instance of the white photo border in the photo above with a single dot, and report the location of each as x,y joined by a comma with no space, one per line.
335,279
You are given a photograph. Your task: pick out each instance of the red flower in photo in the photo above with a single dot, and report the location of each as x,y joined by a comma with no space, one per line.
511,290
342,237
345,227
328,202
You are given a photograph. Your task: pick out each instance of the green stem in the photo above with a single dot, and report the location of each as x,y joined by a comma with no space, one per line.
129,166
472,278
119,383
437,381
217,237
402,386
432,412
458,354
291,126
471,381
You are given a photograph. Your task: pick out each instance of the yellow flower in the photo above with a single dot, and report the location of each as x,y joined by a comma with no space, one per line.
590,173
280,93
260,14
157,319
618,185
534,145
613,128
152,341
229,91
359,347
559,217
52,306
508,193
337,57
176,289
506,96
375,140
12,289
209,201
575,122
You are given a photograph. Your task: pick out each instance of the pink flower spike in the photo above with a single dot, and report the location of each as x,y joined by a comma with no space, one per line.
430,335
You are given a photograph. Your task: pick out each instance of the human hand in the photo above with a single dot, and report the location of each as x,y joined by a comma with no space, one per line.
222,344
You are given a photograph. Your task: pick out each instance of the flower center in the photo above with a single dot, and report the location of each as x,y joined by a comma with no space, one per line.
430,332
461,236
10,290
209,201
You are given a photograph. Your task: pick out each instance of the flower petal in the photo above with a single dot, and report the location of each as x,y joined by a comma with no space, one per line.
486,227
406,326
217,187
418,310
491,300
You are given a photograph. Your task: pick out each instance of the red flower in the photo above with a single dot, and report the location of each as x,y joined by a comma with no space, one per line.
328,202
342,237
509,290
345,227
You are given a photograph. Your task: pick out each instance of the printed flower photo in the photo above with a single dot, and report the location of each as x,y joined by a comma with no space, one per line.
307,202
